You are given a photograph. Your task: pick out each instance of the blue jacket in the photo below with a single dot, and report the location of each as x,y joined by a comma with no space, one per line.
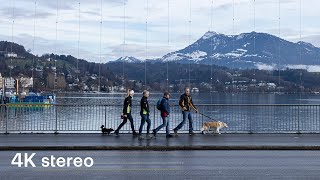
165,106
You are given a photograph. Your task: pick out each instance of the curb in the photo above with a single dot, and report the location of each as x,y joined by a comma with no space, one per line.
154,148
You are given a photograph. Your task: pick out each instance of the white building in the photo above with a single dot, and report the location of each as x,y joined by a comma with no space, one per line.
26,82
9,83
10,54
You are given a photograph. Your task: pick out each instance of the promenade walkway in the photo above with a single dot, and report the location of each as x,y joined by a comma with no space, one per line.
181,142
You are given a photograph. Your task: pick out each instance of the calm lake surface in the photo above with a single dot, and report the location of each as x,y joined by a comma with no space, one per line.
198,98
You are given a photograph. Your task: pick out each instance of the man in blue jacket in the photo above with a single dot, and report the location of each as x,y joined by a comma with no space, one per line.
165,112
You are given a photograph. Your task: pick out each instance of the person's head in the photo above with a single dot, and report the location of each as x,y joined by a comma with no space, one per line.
146,93
128,92
187,91
166,95
131,93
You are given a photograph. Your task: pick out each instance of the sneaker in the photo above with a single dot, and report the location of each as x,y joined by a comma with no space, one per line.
191,133
140,137
149,136
175,132
169,136
154,133
116,133
134,133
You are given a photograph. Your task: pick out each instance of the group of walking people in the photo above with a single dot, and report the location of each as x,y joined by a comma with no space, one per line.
163,106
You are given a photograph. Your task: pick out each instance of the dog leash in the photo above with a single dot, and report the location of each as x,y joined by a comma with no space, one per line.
207,116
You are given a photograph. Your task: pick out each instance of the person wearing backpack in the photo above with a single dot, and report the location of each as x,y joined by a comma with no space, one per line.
144,113
186,105
127,113
164,107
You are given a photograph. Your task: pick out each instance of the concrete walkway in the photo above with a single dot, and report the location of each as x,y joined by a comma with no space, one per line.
181,142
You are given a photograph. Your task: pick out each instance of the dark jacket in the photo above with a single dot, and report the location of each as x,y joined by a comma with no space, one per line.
186,101
127,105
144,105
165,107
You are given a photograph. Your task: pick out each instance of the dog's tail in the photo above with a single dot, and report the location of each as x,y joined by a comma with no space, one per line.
102,126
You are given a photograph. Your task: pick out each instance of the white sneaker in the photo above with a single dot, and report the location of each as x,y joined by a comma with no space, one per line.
149,136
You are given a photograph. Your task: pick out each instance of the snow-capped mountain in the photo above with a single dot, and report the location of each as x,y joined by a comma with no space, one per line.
128,59
242,51
246,50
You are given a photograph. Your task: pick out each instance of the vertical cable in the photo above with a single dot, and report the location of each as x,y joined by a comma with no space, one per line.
12,29
254,38
211,41
279,48
56,41
189,41
79,16
124,40
34,37
100,44
233,36
300,49
167,63
145,62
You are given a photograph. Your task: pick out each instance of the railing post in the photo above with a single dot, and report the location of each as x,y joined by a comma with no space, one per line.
105,116
154,116
299,119
251,108
7,118
56,115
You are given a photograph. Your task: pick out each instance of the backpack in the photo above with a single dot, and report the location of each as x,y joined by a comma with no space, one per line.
159,104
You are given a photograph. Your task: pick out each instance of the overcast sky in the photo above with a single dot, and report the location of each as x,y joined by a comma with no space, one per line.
267,20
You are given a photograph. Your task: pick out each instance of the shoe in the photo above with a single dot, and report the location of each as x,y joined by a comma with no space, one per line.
191,133
169,136
154,133
134,133
116,133
149,136
175,132
140,137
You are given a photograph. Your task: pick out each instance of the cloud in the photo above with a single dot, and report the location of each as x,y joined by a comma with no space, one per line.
266,67
112,30
21,13
309,68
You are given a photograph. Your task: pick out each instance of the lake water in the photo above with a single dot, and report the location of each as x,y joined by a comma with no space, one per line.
198,98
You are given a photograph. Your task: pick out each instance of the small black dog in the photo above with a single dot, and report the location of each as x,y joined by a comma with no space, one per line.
106,130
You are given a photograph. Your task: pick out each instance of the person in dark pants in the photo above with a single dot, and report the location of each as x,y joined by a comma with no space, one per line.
186,105
165,112
127,114
144,113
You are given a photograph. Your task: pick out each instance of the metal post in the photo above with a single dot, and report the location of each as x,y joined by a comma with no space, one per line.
251,107
299,119
56,114
7,114
154,116
105,116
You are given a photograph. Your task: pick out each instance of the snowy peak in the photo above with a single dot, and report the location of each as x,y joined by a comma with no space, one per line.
128,59
209,35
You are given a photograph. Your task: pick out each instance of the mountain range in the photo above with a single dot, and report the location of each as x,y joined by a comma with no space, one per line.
244,51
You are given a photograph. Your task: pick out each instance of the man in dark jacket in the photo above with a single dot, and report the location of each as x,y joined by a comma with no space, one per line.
165,112
186,105
144,113
127,113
